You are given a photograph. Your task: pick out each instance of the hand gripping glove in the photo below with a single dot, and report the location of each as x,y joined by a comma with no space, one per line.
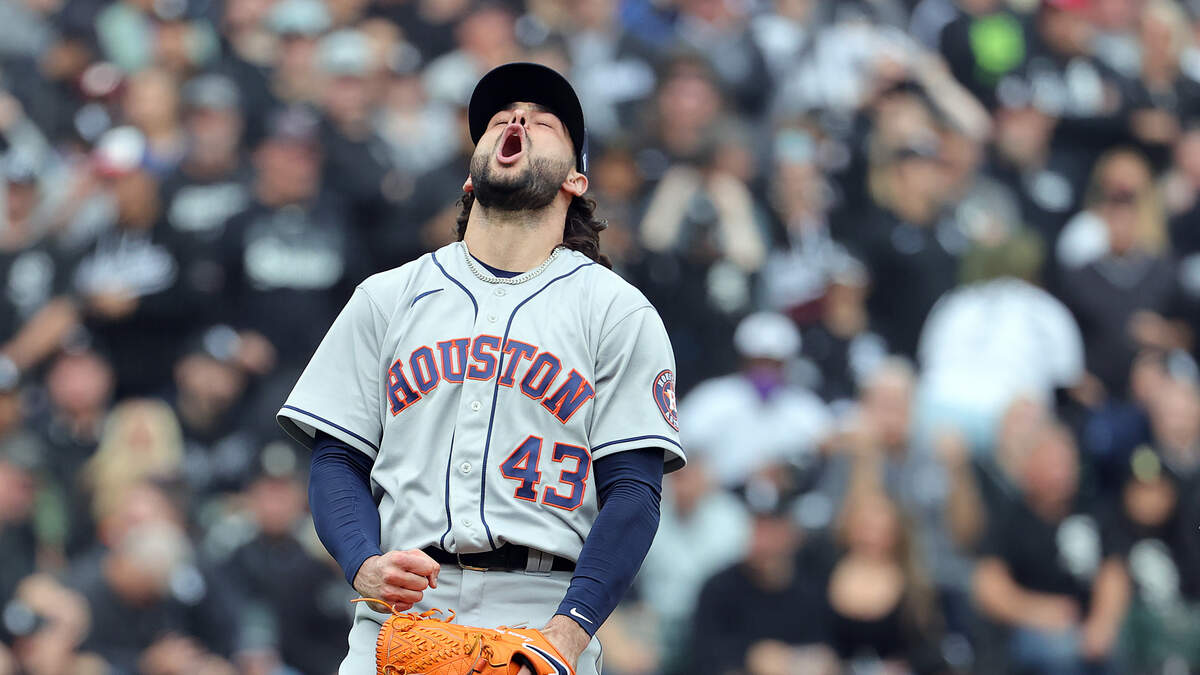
411,643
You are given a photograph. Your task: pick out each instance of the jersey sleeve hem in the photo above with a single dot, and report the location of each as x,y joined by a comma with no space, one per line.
673,455
302,426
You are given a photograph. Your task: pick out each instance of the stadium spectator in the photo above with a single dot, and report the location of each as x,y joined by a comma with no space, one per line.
151,105
841,345
882,604
748,421
703,529
485,38
1091,97
134,34
1048,571
18,489
133,299
764,615
357,163
148,606
611,68
929,476
1154,536
1175,426
49,622
1118,280
212,180
1181,197
210,388
298,25
292,247
797,272
141,442
989,342
421,132
280,626
720,31
1048,183
190,189
906,239
1162,97
982,44
79,391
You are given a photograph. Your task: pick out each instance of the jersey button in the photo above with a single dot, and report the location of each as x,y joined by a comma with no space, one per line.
465,467
476,405
491,318
499,292
468,523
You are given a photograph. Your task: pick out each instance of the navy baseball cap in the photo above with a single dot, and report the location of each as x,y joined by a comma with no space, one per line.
535,83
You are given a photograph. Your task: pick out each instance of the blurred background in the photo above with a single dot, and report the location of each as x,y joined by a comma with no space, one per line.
931,271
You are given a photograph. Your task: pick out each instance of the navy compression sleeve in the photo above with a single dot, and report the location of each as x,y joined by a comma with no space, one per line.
344,513
629,489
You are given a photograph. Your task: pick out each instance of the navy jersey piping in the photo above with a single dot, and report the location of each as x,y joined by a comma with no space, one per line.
449,521
332,424
414,300
637,438
450,454
487,445
475,305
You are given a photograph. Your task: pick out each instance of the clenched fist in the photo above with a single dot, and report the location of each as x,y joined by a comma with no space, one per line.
397,577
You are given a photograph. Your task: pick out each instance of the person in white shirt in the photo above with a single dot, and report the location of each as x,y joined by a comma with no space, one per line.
747,421
987,344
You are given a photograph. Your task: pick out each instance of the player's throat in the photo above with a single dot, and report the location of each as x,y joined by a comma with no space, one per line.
495,271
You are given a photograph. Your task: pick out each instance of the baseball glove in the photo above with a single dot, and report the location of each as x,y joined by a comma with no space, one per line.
411,643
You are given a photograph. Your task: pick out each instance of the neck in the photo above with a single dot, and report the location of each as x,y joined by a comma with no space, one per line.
914,208
1158,74
772,573
197,413
1049,508
210,167
83,422
515,241
845,322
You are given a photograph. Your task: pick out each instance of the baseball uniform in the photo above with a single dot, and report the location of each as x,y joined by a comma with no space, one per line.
483,402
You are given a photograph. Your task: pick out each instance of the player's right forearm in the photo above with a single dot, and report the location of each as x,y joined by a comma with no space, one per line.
344,513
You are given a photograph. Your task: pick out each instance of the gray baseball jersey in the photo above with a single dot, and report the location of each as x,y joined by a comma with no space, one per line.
484,401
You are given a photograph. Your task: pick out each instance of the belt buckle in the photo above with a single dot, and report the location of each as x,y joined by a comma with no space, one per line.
464,566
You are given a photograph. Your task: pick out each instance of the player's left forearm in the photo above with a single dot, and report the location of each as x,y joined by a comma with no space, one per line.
629,486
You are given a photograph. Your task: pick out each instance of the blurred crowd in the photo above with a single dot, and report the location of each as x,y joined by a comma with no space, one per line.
928,267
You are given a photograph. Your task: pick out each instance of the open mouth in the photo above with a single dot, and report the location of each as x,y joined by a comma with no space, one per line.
512,144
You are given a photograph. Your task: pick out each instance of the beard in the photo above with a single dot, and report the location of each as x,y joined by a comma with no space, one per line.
530,189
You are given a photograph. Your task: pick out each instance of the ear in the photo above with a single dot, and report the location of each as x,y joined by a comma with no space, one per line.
576,183
468,186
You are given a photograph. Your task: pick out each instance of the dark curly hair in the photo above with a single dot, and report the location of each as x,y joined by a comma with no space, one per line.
581,233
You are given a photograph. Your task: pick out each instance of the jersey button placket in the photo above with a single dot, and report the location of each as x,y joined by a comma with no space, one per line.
495,305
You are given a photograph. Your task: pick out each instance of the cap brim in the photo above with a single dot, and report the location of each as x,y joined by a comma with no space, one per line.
535,83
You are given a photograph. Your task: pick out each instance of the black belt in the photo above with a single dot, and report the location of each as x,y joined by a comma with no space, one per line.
506,558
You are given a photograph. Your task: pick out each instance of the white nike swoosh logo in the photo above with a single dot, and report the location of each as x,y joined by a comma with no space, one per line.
575,613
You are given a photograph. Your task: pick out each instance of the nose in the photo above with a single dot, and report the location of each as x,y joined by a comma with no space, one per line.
519,116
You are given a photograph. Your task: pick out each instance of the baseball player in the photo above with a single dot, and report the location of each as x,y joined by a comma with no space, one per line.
490,423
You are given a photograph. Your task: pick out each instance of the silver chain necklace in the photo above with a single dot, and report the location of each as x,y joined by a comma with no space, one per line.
483,275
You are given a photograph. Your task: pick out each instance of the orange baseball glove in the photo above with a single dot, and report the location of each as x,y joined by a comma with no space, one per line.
411,643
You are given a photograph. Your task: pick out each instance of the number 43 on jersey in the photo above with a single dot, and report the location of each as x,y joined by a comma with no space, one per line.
522,465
